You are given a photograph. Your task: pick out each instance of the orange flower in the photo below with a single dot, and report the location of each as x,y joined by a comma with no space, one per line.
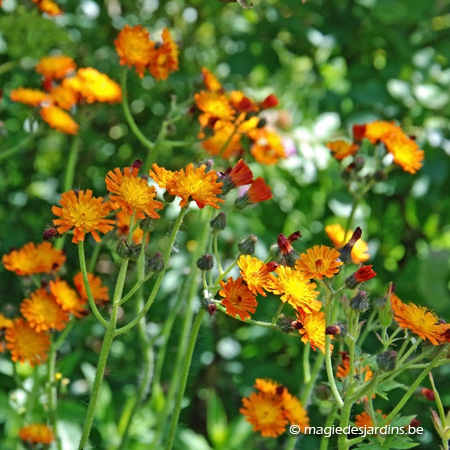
255,273
364,420
239,175
225,140
26,344
194,184
95,86
238,298
267,386
359,251
211,82
241,103
31,259
344,369
259,191
64,97
162,176
59,119
5,322
364,273
295,289
164,58
99,292
375,131
418,319
123,227
55,67
49,7
134,47
32,97
341,149
67,298
313,330
214,105
267,147
319,261
294,411
36,433
132,193
265,413
83,213
405,150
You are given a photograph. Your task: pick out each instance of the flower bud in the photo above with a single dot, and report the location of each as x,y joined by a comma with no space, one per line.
147,224
428,393
333,330
271,266
323,392
247,246
359,132
50,233
364,273
359,163
128,251
269,102
205,262
288,254
209,306
379,175
288,325
387,361
219,222
137,164
385,309
360,302
156,263
346,251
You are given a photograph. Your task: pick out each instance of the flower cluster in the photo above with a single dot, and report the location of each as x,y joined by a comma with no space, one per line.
135,48
63,89
48,308
403,148
271,408
229,117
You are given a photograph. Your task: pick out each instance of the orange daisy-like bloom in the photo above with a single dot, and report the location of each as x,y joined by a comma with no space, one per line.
265,412
337,235
67,298
32,97
344,369
313,330
211,82
43,313
255,273
132,193
419,319
294,411
134,47
364,420
214,105
49,7
32,258
164,57
224,141
55,67
267,147
341,149
59,119
295,288
405,150
99,292
266,385
64,97
36,433
238,298
27,344
375,131
162,176
319,261
194,184
83,213
95,86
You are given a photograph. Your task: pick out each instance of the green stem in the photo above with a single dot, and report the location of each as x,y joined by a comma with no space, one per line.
328,423
27,141
216,251
410,351
71,162
107,342
62,336
306,394
7,66
94,257
92,304
184,377
136,287
129,117
306,364
51,393
277,314
222,308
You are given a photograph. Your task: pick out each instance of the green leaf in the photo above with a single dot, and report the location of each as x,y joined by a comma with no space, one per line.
216,420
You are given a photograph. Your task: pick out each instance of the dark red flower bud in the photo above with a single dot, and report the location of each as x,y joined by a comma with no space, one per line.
428,393
294,236
212,308
137,164
346,250
50,233
284,244
271,266
414,423
359,132
364,273
269,102
333,330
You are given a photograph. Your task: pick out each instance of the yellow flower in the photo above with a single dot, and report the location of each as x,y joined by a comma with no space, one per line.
418,319
319,261
405,150
95,86
132,193
67,298
99,292
211,82
255,273
295,288
36,433
43,313
194,184
264,411
32,97
164,58
83,213
64,97
313,330
55,67
134,47
341,149
31,259
337,235
26,344
267,147
59,119
238,300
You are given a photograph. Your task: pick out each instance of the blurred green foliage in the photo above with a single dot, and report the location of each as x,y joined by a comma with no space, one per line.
331,64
